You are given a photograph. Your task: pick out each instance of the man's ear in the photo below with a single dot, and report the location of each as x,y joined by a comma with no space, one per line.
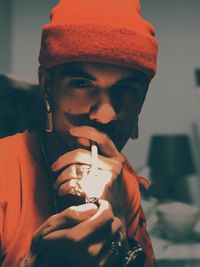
44,82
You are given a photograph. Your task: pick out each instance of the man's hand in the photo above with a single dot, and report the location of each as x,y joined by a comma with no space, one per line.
106,183
81,235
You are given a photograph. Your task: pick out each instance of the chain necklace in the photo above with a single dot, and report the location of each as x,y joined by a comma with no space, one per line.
49,172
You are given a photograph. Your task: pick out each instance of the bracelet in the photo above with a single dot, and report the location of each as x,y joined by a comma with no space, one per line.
135,257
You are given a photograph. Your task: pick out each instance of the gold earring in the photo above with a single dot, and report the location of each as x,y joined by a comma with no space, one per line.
135,132
49,121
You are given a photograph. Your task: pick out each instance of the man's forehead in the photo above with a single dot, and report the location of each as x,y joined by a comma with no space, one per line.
95,71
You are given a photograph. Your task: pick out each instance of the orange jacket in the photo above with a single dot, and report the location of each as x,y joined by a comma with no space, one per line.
26,200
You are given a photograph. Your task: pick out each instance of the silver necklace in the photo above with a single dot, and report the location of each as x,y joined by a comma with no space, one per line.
49,172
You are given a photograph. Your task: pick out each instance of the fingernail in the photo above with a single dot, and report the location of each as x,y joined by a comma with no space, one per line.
83,141
73,130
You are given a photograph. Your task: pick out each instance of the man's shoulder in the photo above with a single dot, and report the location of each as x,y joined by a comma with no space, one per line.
9,165
10,143
11,147
132,177
129,173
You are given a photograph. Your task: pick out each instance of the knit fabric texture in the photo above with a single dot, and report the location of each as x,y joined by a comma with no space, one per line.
106,31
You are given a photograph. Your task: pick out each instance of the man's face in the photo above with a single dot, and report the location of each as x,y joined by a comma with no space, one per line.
106,97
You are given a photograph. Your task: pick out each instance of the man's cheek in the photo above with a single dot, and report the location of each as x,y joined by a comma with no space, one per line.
74,107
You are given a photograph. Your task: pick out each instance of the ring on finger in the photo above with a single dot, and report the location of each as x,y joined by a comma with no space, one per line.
93,200
82,170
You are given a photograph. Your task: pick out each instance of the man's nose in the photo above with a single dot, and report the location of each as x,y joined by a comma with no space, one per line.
103,111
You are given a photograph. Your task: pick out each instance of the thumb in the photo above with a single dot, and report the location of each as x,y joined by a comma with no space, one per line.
65,219
78,214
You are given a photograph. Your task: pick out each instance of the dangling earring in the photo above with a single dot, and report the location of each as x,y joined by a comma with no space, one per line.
49,121
135,132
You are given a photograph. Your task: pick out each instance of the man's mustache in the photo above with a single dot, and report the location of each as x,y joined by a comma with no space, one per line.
84,120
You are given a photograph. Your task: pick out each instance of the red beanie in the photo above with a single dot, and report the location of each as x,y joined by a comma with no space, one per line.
106,31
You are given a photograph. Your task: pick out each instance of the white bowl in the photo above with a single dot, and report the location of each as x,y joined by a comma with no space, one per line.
177,219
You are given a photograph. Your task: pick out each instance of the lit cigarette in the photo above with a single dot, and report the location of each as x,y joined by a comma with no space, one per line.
94,155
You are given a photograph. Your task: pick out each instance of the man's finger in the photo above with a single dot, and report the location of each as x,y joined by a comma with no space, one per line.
82,156
66,219
104,142
67,174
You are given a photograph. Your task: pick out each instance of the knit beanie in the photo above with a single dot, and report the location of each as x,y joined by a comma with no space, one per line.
105,31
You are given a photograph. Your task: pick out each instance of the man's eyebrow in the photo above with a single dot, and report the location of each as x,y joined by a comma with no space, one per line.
133,79
76,72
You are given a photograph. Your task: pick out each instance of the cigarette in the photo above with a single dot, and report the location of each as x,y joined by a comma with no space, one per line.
94,155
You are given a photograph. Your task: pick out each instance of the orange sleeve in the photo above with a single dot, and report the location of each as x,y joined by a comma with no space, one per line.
134,215
24,205
9,191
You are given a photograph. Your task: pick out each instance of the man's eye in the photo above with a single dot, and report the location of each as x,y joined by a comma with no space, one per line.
128,89
80,84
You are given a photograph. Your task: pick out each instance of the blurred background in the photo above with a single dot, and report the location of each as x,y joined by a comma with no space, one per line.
168,148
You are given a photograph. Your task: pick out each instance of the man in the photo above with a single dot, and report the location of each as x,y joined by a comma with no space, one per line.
96,62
